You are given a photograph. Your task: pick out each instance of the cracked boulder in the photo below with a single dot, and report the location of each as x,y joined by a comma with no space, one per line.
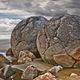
57,40
24,35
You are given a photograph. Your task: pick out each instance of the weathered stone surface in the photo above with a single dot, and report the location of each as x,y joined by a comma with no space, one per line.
64,60
73,76
17,75
24,35
76,54
54,70
65,73
30,73
3,60
46,76
38,63
59,36
25,56
8,71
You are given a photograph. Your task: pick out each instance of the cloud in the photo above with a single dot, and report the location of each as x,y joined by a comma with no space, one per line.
7,25
44,7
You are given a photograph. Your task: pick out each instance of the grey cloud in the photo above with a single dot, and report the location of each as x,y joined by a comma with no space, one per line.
74,4
51,7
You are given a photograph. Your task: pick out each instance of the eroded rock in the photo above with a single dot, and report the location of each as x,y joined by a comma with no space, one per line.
74,76
76,54
38,63
25,56
54,70
59,36
64,60
46,76
30,73
24,35
3,60
8,71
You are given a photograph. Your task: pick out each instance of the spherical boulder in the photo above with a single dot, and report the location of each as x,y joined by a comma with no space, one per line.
24,35
61,35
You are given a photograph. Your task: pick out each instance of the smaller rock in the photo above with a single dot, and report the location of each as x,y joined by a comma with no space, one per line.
38,63
3,60
8,71
76,53
74,76
55,69
46,76
30,73
1,72
25,56
17,75
9,52
64,60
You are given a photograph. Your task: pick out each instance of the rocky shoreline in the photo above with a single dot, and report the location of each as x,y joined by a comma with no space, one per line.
35,70
43,49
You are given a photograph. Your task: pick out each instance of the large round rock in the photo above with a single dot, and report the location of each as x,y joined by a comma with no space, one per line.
24,35
57,40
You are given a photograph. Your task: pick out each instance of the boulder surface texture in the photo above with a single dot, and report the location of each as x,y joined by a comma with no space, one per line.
59,40
24,35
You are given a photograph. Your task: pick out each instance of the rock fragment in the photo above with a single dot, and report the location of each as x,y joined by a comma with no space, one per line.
25,56
46,76
30,73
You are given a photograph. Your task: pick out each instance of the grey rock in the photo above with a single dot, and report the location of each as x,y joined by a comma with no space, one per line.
3,60
30,73
59,36
46,76
1,79
8,71
55,69
24,35
38,63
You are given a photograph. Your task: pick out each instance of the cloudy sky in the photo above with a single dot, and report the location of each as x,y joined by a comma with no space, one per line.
13,11
40,7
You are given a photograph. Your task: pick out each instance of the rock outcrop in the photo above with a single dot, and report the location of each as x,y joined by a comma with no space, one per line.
24,35
59,38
